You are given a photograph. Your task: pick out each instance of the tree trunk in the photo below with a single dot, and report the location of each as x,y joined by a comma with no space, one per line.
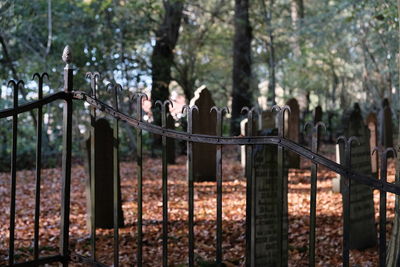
296,14
241,91
271,49
163,57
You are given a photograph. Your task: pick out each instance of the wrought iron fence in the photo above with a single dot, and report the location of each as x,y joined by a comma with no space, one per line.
65,256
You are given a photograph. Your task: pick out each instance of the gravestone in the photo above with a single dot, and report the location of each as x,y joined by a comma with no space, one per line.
170,141
292,131
104,177
373,140
329,127
385,125
267,120
204,122
265,171
243,132
336,181
317,114
362,213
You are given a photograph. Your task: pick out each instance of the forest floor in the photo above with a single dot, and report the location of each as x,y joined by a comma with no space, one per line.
328,232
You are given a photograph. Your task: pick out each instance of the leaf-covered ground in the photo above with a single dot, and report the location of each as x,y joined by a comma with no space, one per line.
329,226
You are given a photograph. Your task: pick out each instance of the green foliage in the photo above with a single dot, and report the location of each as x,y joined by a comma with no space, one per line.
347,53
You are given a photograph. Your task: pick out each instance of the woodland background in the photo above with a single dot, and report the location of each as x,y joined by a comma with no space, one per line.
256,53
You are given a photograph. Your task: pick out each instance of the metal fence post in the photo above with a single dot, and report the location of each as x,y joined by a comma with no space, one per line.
13,169
346,197
282,188
139,159
36,251
383,154
250,192
66,156
164,114
189,112
219,130
313,194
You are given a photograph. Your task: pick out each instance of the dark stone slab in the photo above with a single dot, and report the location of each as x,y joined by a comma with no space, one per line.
204,122
267,120
170,141
385,125
265,171
317,114
292,131
104,177
373,140
243,132
362,213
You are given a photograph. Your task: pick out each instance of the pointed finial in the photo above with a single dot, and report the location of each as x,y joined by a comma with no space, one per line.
67,56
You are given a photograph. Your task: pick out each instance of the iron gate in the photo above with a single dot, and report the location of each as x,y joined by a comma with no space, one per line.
70,94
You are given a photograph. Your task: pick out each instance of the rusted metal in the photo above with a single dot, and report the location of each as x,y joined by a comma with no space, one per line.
164,113
38,164
250,190
94,77
282,185
139,160
16,86
243,140
66,157
115,88
189,114
383,155
315,134
220,112
346,191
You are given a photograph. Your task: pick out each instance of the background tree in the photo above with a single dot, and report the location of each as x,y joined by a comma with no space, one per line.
162,57
241,74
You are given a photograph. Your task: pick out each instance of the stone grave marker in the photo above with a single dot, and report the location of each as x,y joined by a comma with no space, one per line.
204,122
243,132
292,131
317,114
265,170
267,120
362,213
373,140
385,125
104,177
170,141
336,180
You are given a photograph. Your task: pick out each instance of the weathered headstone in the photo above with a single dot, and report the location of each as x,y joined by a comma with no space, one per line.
104,177
243,132
204,122
265,170
267,120
373,140
293,131
170,141
385,125
336,180
362,213
317,114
